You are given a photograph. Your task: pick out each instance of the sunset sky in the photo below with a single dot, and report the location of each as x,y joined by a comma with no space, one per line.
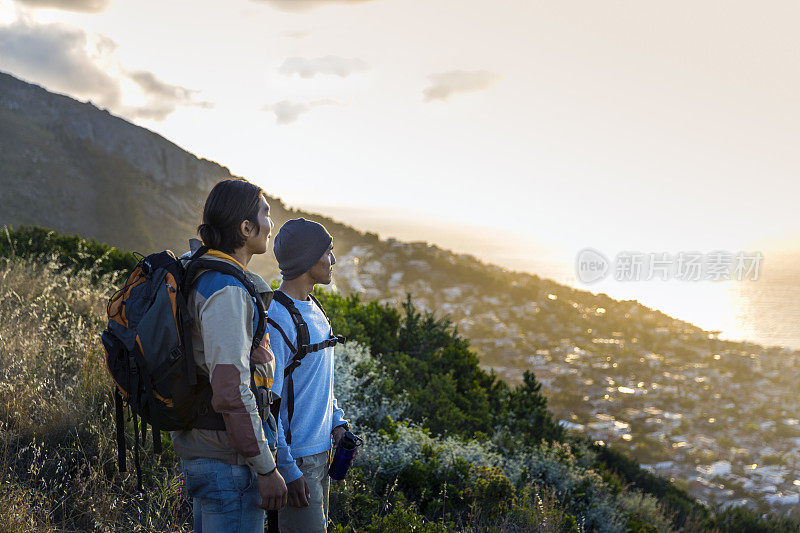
548,125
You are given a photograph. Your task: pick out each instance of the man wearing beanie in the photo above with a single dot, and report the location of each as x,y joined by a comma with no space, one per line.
309,416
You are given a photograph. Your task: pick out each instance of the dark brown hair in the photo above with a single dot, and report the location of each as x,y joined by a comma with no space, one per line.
229,203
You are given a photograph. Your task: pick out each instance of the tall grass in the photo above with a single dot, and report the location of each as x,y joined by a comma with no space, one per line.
57,439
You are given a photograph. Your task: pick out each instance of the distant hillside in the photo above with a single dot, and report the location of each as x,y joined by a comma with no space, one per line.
699,409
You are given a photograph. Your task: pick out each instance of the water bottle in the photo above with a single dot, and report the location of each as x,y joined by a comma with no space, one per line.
344,453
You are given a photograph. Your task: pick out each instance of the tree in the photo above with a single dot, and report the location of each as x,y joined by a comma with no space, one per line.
526,414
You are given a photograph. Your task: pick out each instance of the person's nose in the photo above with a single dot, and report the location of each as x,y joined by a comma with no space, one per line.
333,259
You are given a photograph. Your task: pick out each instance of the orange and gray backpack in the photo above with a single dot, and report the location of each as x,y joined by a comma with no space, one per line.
148,344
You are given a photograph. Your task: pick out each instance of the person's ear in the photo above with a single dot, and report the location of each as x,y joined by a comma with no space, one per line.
245,228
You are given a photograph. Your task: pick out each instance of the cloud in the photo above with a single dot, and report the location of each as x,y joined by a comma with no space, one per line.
328,65
445,84
85,6
163,98
59,57
68,60
287,111
297,34
299,6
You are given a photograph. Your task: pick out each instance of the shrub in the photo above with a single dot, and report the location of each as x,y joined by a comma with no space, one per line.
612,463
737,519
67,252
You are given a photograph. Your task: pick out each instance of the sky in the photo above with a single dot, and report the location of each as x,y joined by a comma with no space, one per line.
522,125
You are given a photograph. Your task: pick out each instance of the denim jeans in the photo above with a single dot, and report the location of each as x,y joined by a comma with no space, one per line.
225,497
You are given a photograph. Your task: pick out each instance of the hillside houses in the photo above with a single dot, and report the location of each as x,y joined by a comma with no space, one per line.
717,416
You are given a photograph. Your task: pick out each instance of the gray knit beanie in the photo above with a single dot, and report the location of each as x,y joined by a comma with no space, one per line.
300,243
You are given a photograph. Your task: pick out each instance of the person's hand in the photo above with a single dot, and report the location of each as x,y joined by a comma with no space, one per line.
338,433
298,492
273,492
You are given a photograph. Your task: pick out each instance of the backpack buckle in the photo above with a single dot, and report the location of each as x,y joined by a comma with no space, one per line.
174,355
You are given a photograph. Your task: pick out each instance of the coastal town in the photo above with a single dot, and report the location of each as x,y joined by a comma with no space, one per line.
716,417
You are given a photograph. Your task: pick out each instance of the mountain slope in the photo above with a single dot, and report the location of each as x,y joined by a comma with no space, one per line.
75,168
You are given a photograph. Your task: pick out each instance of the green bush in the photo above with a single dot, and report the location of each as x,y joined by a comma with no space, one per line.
526,416
612,463
399,520
426,359
70,252
739,519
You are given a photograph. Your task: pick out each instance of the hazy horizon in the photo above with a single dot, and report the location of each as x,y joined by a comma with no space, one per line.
763,311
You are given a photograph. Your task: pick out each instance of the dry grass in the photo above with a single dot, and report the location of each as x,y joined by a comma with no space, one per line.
57,438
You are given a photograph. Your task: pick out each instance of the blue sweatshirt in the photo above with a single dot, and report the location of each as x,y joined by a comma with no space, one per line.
315,411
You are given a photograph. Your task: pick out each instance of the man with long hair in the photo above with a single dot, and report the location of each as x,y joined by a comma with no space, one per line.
231,474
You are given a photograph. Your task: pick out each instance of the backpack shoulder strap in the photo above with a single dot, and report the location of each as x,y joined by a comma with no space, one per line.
298,353
277,326
334,339
316,302
303,336
194,267
304,346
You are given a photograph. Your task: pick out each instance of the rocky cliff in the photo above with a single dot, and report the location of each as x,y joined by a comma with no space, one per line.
70,166
151,154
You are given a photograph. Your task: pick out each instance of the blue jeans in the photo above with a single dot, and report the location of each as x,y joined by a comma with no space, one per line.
225,497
